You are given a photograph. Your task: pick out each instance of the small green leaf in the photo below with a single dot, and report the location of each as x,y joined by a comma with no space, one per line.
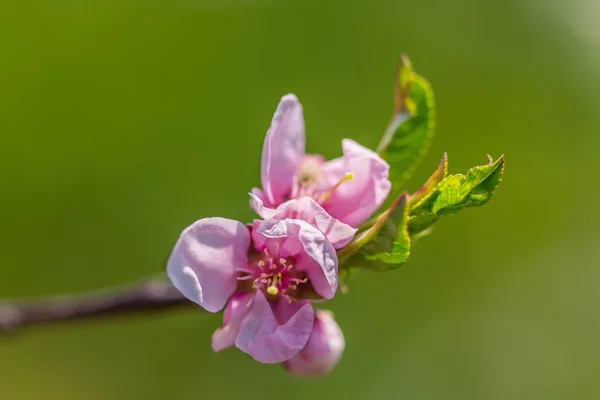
408,136
385,245
454,193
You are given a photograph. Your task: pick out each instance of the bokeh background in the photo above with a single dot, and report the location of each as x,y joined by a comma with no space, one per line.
122,121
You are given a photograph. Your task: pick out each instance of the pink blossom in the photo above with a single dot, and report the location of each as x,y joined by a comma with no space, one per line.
307,209
264,273
350,188
323,350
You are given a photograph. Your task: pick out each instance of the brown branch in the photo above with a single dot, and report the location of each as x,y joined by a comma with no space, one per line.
149,296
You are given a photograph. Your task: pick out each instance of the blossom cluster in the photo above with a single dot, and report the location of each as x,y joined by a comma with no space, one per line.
267,274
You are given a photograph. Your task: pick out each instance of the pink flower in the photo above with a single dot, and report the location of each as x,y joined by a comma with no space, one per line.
264,273
323,350
307,209
349,188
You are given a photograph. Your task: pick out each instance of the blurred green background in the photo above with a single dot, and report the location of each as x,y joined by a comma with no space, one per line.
124,121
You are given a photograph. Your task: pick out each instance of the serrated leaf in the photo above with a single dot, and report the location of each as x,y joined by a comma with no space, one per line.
385,245
408,136
454,193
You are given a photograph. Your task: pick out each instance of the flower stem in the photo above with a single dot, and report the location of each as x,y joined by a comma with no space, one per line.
148,296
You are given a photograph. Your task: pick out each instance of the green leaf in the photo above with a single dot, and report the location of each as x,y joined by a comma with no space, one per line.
454,193
408,136
385,245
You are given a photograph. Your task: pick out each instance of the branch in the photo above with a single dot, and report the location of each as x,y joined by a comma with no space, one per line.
149,296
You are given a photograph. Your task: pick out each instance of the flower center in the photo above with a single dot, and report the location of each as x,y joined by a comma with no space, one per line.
275,276
307,181
309,171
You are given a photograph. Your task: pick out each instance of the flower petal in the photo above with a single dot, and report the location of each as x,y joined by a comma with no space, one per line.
311,250
237,308
203,262
283,149
323,350
307,209
337,232
354,201
258,205
350,148
259,194
270,339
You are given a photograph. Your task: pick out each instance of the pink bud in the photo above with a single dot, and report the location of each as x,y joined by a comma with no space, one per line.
323,350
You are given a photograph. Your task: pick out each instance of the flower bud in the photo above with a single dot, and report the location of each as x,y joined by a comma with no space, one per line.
323,350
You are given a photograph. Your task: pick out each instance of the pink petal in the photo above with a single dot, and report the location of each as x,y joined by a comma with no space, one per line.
307,209
323,350
259,241
237,308
283,149
258,205
354,201
259,194
204,260
271,338
350,148
311,250
337,232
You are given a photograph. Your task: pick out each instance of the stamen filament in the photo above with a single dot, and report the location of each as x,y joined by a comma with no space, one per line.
271,274
296,280
348,176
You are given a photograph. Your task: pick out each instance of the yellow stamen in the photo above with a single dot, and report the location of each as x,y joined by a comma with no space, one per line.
273,289
348,176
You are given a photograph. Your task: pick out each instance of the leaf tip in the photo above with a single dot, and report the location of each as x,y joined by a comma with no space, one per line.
401,200
405,61
501,160
491,161
444,165
402,85
500,163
